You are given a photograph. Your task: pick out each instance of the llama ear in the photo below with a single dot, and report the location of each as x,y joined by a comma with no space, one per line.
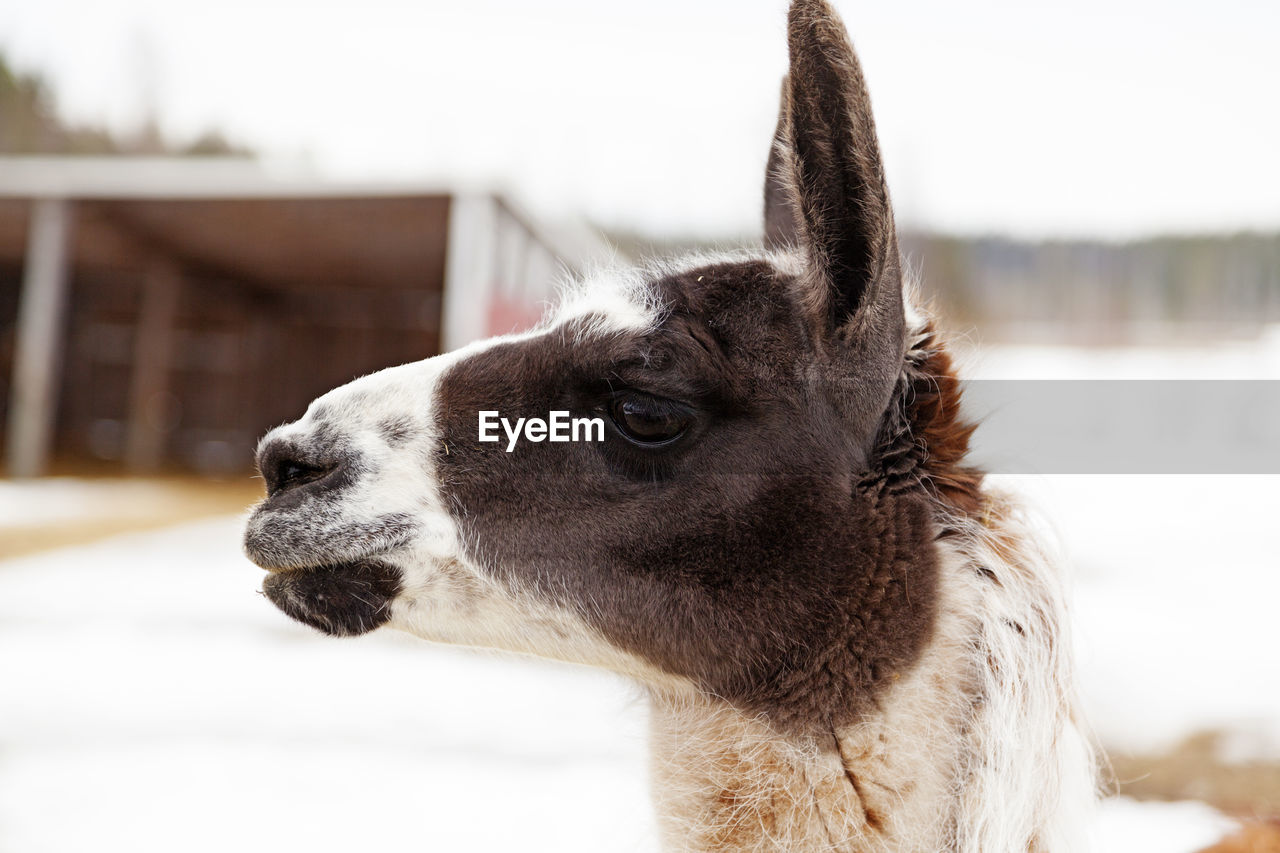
780,226
825,190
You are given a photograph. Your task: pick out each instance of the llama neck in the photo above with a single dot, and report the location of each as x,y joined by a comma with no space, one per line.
725,781
973,749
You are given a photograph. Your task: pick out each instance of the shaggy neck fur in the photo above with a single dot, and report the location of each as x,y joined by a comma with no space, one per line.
973,750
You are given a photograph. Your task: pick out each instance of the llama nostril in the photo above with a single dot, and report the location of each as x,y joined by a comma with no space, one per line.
283,469
290,474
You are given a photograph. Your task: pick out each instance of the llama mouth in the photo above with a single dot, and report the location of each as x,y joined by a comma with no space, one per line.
343,600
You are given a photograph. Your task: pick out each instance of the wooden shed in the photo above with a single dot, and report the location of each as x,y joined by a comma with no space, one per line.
167,312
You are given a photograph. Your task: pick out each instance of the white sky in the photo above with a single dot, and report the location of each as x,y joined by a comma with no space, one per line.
1084,118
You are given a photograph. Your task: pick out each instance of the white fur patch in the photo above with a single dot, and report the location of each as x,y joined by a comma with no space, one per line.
611,302
623,299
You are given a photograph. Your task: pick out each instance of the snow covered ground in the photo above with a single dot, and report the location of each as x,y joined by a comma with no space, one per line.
1176,577
151,700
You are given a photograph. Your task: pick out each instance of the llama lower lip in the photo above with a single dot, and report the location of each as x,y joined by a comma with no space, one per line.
345,599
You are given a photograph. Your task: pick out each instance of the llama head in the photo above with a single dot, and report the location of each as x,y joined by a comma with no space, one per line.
730,532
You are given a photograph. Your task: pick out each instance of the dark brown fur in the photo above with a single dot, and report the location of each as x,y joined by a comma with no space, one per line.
925,439
763,559
341,600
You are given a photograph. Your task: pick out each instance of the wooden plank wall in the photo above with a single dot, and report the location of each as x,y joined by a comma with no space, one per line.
244,352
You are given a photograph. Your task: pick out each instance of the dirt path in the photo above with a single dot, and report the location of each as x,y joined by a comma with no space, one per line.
1195,770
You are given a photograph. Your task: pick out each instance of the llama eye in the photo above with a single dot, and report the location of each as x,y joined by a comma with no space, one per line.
648,420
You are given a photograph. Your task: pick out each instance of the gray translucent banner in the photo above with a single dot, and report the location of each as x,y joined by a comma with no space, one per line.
1125,426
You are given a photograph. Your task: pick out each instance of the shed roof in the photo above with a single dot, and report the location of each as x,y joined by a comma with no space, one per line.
236,218
187,178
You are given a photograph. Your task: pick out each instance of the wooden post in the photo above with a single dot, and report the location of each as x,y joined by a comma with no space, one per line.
149,397
37,360
469,270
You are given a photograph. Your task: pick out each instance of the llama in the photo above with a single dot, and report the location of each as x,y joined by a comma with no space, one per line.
848,641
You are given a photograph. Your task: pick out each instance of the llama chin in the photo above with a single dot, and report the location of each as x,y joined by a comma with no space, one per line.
849,641
343,600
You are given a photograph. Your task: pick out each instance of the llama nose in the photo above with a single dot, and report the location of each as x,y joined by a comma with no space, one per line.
286,468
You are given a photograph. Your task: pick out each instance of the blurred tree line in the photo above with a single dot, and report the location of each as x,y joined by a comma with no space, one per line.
30,124
1094,291
1160,289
